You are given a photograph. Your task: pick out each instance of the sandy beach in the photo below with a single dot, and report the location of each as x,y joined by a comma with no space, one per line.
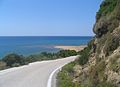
76,48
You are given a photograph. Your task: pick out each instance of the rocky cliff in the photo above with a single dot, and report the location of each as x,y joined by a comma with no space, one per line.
99,63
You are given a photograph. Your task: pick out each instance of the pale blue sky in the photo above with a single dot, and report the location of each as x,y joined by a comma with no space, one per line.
47,17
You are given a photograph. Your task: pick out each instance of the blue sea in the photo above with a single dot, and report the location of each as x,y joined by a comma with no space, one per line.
26,45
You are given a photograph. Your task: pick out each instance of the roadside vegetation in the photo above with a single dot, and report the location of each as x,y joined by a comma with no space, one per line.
65,77
15,60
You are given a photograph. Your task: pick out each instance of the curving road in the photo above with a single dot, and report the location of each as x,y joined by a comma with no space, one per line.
32,75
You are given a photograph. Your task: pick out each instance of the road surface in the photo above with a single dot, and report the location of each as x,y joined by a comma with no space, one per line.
32,75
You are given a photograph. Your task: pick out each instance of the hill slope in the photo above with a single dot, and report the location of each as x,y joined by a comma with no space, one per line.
99,63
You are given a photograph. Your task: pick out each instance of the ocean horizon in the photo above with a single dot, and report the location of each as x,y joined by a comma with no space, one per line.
27,45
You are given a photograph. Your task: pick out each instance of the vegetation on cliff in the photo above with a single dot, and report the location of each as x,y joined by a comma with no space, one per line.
106,7
99,63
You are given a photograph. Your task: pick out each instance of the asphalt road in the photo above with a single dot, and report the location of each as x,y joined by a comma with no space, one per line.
32,75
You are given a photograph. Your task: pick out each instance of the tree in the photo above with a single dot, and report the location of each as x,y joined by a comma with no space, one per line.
13,59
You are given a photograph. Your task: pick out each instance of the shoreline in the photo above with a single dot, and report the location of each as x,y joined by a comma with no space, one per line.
76,48
53,47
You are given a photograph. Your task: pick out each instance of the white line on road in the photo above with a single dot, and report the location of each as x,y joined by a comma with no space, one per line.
49,84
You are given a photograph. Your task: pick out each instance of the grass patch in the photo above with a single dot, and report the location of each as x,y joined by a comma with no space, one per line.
65,77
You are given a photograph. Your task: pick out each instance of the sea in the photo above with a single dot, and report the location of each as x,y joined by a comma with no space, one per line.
27,45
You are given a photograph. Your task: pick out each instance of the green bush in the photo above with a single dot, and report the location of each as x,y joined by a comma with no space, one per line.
50,56
66,53
84,56
12,59
85,53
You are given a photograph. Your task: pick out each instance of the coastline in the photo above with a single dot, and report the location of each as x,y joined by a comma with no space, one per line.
76,48
27,45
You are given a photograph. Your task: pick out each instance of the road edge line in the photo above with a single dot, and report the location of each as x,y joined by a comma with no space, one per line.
49,83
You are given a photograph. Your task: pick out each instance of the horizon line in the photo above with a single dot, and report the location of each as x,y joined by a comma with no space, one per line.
48,36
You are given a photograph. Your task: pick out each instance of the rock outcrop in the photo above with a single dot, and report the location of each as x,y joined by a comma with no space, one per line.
103,66
100,61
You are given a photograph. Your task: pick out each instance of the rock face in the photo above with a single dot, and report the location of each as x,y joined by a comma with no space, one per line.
103,66
99,63
107,18
107,28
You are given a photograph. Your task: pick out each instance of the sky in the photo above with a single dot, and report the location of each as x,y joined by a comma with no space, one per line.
47,17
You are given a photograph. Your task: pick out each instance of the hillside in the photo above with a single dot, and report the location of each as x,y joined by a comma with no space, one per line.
99,63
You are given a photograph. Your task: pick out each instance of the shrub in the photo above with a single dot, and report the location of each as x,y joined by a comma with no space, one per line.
84,56
66,53
2,65
32,58
12,59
